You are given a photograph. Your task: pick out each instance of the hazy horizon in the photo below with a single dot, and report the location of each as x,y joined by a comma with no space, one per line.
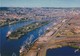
40,3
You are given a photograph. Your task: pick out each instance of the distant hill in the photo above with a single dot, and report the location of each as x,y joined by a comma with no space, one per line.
4,8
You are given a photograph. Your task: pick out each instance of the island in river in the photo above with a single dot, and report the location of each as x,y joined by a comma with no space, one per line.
23,30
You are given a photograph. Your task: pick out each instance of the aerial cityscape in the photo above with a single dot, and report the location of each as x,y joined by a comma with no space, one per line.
39,31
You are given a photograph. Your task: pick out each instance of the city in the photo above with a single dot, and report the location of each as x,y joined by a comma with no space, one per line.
39,27
34,31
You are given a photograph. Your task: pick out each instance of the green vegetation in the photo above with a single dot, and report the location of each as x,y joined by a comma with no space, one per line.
65,33
58,34
23,30
75,46
9,22
3,24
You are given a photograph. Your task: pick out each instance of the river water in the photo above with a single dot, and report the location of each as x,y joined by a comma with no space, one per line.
63,51
9,47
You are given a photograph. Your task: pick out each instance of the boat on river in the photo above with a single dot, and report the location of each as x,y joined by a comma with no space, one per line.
26,44
76,50
8,33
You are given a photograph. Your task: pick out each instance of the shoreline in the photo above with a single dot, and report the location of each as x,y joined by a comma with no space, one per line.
20,32
13,23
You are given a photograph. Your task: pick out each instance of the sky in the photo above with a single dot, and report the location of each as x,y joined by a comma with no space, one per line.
39,3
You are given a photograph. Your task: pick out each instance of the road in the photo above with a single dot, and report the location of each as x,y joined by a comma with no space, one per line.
40,46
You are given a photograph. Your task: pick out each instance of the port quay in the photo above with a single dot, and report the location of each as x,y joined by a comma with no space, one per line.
44,31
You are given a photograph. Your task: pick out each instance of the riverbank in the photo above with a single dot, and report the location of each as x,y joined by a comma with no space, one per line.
38,44
13,22
75,46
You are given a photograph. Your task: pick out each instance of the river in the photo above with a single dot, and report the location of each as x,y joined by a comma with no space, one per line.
8,47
